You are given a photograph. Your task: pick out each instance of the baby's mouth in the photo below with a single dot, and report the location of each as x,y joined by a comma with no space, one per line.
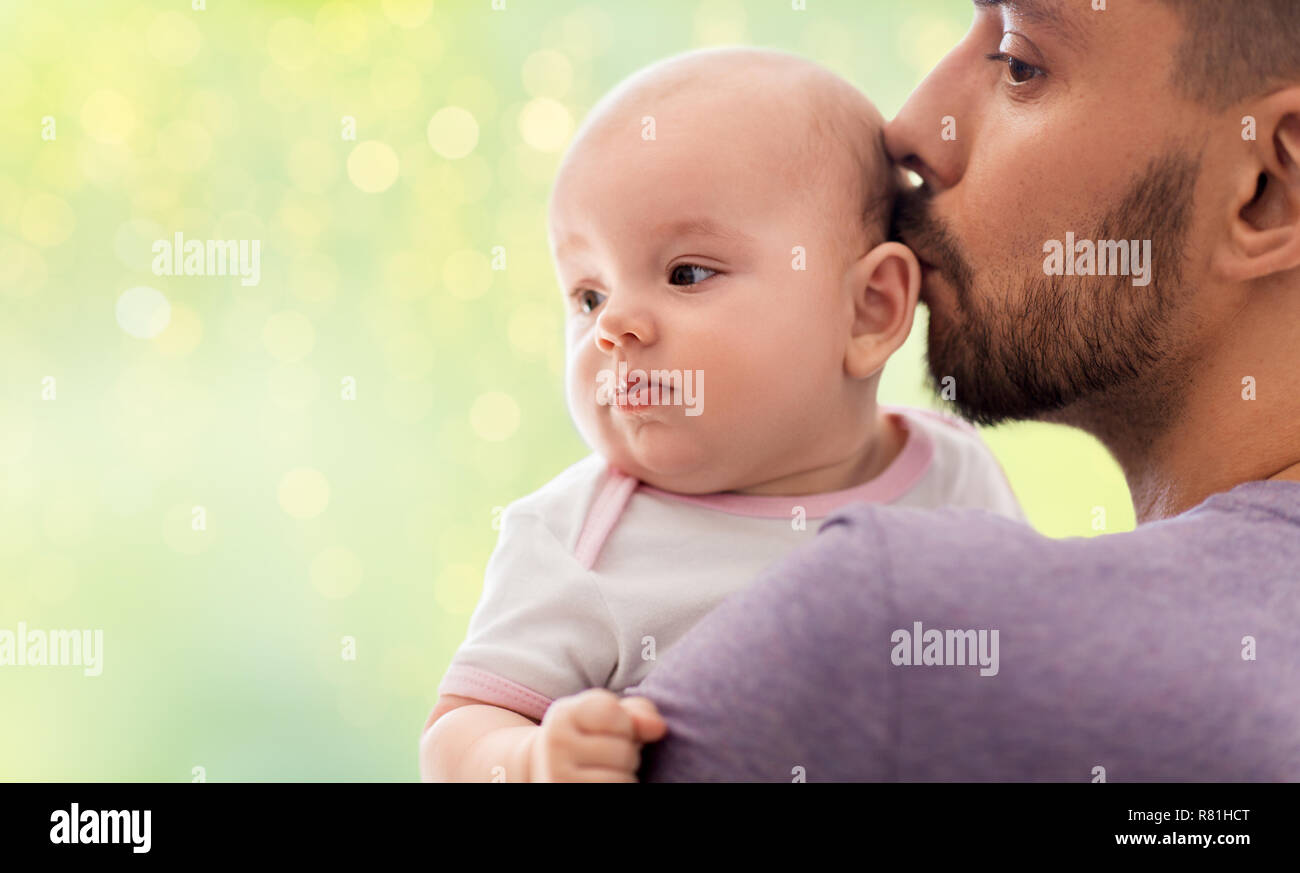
640,395
644,395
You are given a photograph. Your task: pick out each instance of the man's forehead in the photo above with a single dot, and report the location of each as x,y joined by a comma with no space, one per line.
1053,14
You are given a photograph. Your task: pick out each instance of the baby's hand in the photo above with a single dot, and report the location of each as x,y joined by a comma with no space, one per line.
594,736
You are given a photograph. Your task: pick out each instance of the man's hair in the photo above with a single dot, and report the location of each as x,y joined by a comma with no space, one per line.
1235,49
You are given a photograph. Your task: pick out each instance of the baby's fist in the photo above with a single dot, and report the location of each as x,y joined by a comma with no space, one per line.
593,736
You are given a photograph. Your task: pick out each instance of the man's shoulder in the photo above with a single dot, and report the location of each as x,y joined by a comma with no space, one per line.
1135,652
1224,528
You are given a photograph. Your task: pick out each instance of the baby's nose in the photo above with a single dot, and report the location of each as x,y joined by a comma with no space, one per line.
619,328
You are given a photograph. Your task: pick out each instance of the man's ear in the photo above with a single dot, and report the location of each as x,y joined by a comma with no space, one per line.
883,286
1265,228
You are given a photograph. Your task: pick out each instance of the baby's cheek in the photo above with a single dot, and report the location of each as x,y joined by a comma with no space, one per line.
580,391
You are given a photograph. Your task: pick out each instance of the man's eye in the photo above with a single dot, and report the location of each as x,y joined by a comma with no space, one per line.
588,300
1018,72
689,274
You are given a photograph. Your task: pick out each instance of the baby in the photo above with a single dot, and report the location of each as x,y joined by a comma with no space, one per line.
722,213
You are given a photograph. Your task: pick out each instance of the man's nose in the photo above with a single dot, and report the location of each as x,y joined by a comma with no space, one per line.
623,322
933,132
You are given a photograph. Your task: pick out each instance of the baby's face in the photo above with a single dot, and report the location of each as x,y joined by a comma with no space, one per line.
703,251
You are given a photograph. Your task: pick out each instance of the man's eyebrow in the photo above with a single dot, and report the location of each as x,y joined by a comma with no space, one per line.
1045,12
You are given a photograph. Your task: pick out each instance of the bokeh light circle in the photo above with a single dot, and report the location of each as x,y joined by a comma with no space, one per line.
373,166
304,493
143,312
453,132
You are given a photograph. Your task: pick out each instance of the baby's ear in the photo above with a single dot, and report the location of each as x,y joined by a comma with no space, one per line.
883,286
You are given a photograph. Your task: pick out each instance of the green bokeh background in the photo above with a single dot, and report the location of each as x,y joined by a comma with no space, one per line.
223,647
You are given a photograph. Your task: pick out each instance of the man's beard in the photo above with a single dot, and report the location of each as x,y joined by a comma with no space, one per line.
1075,349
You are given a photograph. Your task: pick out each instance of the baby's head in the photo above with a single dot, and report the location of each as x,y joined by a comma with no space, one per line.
724,214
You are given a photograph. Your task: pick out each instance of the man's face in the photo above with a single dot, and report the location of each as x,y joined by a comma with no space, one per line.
1064,123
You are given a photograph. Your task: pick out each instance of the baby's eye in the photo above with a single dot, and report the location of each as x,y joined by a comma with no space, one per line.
588,300
689,274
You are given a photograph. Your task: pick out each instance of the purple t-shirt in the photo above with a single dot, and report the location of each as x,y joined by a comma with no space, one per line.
1171,652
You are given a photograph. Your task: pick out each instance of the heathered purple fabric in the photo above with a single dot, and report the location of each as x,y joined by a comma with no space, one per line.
1122,651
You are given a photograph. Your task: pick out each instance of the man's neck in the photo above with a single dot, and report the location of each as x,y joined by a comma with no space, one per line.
1218,440
1161,496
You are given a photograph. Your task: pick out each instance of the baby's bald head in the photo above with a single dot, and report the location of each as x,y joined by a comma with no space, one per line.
724,212
812,131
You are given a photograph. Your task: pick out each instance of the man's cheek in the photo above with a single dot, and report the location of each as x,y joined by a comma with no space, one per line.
1006,238
1000,204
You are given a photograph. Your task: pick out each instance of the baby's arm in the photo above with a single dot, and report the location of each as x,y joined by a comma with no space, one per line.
593,736
466,740
542,632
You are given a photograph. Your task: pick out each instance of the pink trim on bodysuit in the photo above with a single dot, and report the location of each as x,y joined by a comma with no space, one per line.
605,510
490,688
897,479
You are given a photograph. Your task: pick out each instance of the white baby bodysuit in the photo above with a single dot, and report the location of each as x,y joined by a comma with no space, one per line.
595,574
